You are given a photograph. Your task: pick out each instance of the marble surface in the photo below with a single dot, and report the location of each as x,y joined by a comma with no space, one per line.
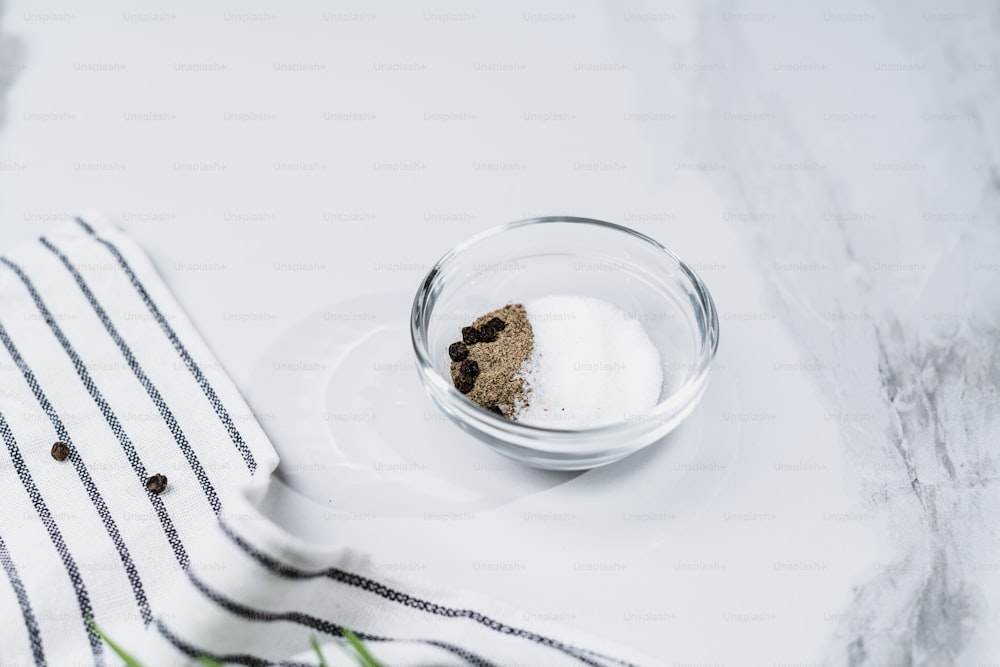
831,169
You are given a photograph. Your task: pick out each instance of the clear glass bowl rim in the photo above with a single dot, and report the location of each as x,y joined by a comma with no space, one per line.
673,403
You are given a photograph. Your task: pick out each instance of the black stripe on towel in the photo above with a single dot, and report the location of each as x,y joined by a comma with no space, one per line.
110,526
405,599
147,384
192,366
320,625
227,658
55,535
130,453
30,624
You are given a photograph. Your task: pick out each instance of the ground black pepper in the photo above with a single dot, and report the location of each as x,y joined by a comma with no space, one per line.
490,374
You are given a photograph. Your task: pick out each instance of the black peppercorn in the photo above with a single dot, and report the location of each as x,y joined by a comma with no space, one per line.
464,383
496,409
60,451
470,335
156,484
469,367
487,334
497,324
458,351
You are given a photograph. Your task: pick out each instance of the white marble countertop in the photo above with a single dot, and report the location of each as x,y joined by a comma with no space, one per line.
833,171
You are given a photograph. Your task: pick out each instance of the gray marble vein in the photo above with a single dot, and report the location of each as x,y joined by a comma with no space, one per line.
881,242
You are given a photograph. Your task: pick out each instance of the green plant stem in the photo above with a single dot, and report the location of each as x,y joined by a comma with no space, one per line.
319,652
129,660
365,658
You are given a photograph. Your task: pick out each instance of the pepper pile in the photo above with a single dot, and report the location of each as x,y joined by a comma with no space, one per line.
486,363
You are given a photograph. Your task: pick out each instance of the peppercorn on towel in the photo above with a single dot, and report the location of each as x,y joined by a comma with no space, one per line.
98,356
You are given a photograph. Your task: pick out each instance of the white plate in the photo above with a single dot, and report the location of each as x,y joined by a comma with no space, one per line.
356,432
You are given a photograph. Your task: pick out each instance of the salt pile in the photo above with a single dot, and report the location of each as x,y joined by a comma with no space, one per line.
591,365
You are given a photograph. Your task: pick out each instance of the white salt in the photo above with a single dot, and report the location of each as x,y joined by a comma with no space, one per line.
592,364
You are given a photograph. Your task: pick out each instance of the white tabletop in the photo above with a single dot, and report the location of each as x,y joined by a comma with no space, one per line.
831,172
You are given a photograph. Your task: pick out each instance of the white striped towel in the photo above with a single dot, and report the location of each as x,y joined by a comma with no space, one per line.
98,355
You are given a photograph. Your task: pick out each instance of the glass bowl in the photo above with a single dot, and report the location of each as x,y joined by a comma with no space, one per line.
568,256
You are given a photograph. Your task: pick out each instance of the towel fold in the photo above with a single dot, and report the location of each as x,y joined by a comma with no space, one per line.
97,355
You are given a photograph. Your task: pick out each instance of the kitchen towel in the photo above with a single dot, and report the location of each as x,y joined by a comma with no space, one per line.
98,356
